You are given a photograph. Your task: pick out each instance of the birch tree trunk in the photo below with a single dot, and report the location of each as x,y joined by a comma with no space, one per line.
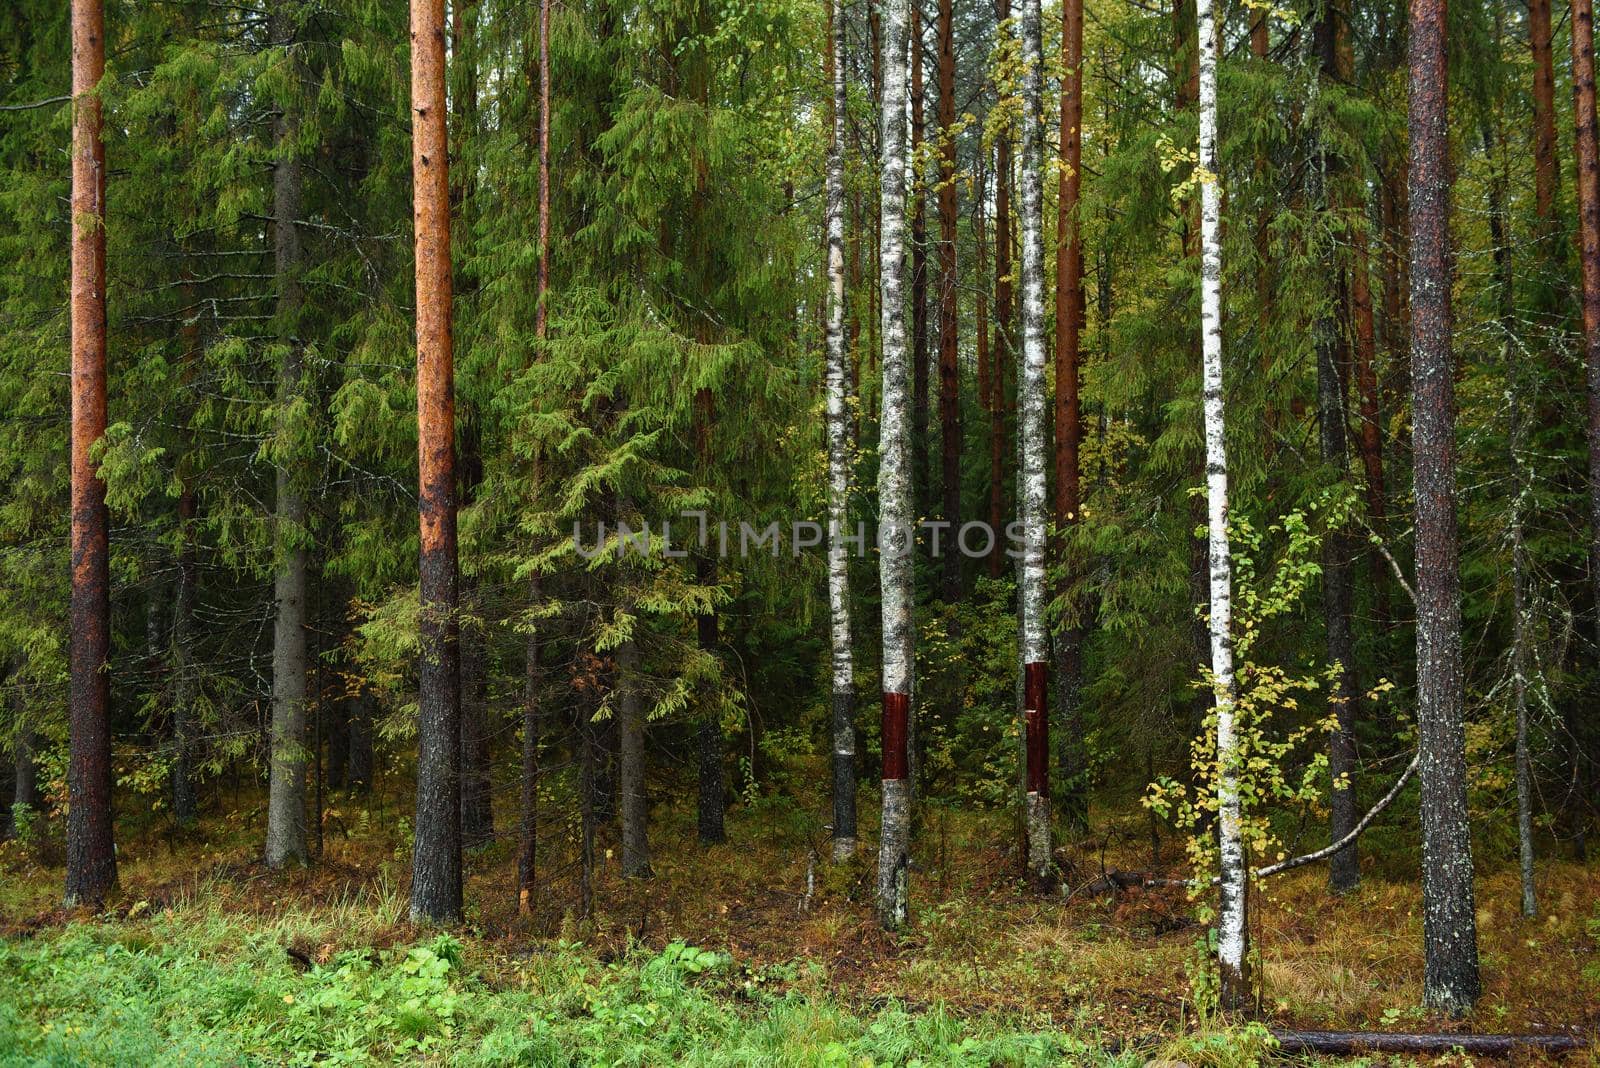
844,696
1449,925
1232,934
896,533
91,854
1031,402
436,856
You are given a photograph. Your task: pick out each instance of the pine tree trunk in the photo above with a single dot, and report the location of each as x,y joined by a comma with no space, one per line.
1450,939
1544,110
839,465
630,767
1069,415
286,802
1586,144
896,535
91,855
436,857
1232,933
949,321
921,476
1031,404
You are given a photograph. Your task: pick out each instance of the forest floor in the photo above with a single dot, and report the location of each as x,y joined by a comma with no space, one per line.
725,956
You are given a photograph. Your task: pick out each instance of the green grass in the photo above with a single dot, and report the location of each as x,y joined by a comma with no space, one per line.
193,986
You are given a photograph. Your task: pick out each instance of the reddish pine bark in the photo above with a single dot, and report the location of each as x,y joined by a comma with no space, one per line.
1588,184
91,855
436,861
1544,109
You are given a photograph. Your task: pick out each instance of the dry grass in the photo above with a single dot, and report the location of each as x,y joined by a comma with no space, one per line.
979,944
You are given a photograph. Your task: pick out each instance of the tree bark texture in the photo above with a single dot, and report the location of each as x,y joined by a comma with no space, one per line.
1450,981
91,855
436,856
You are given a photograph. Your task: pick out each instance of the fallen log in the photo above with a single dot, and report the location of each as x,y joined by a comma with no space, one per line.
1353,1042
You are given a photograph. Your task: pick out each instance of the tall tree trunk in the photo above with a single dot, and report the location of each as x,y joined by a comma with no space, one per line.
91,855
1031,404
844,692
1232,933
1586,145
630,766
949,322
436,857
528,823
1450,937
921,475
286,802
1069,416
897,533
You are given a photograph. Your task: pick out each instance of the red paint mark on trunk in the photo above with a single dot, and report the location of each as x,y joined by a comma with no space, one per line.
1036,726
896,720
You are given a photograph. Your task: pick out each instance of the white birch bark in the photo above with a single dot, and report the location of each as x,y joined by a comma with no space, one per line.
895,530
1231,930
844,738
1031,403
